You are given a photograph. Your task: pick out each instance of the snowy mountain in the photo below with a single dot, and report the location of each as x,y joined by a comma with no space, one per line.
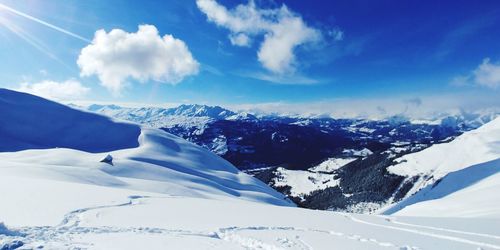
459,178
370,183
148,159
186,115
76,180
285,152
195,110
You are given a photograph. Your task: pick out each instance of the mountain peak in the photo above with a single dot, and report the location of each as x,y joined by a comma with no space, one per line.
198,110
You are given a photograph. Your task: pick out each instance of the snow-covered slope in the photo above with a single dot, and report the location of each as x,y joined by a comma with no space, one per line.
84,216
459,178
470,192
74,142
304,182
161,192
29,122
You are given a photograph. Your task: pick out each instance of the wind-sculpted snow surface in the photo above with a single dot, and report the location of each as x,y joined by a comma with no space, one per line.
143,221
456,179
29,122
143,159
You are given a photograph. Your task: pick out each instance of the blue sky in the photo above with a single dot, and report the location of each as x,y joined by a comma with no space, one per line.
341,50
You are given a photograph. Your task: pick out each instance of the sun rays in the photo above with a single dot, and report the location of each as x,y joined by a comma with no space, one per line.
54,27
29,38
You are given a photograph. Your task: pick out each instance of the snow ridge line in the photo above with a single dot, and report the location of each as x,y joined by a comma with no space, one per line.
439,236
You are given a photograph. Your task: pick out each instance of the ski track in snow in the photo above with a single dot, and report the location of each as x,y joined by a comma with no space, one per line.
70,226
394,221
229,234
430,234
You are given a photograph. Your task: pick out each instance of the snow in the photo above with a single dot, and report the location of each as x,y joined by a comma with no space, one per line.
241,116
366,130
332,164
275,136
159,162
423,121
219,145
304,122
354,152
470,192
51,125
187,116
194,223
165,193
303,182
473,147
455,179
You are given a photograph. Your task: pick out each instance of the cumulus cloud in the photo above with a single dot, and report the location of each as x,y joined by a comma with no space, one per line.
282,29
144,55
240,39
68,90
487,74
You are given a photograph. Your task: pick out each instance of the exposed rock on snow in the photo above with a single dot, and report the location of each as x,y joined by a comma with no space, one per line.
11,245
5,231
108,159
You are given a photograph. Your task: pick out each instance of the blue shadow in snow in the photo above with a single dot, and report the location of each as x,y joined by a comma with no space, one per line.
451,183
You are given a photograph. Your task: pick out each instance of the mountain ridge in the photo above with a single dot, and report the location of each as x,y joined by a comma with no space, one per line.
453,118
55,136
286,152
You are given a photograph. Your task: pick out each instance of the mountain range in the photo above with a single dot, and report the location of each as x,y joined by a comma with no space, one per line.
71,179
318,162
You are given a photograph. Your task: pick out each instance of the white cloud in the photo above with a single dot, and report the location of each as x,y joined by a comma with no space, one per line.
69,90
295,79
283,31
487,74
460,81
422,107
240,39
118,55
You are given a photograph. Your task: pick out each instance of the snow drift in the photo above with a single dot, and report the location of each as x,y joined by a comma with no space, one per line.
31,122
